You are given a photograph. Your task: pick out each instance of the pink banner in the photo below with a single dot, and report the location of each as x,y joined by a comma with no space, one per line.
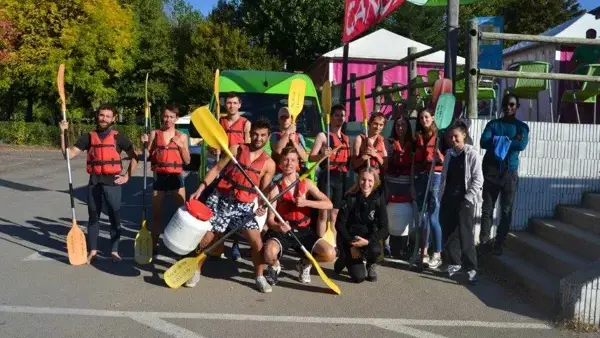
395,75
359,15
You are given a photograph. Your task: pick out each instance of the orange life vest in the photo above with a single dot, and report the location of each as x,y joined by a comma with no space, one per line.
166,158
235,183
338,161
102,157
424,155
286,207
379,145
400,159
235,132
276,157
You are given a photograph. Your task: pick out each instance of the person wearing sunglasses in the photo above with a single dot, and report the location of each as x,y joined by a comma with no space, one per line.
503,139
287,136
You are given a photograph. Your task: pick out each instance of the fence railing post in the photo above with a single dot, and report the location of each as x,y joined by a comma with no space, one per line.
412,74
472,89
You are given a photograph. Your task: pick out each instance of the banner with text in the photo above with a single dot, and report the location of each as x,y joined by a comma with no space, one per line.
360,15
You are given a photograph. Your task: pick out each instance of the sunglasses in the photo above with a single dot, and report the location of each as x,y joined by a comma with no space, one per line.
284,117
512,104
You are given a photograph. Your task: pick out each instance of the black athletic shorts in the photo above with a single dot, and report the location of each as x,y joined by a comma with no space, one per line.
307,237
167,182
338,189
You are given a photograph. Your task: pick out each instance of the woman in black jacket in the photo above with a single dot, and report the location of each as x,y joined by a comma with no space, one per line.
362,224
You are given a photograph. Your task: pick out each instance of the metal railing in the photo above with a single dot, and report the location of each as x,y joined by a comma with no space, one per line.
472,72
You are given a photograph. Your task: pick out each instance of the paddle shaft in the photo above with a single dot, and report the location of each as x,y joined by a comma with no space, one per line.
328,167
146,113
66,132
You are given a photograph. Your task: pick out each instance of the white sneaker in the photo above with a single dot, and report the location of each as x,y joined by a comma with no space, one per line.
303,269
194,280
262,285
453,269
435,261
273,273
472,277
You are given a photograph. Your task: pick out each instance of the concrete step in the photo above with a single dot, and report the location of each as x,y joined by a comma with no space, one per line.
592,201
544,254
542,286
583,218
567,236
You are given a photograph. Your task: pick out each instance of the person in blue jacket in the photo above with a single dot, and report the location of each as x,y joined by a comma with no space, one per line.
503,139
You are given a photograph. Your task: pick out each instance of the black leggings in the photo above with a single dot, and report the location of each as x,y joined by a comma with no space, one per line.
355,267
111,194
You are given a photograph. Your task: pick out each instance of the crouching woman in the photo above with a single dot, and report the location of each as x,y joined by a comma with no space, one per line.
460,190
362,224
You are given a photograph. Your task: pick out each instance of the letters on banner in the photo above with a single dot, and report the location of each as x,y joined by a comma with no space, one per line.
359,15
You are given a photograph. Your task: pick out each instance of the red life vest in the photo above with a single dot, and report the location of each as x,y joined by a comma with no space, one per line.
235,183
379,145
166,158
424,155
102,156
286,207
400,159
235,132
276,157
338,161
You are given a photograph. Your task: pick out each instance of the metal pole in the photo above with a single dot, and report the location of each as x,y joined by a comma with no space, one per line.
473,43
451,39
352,116
345,72
412,74
539,38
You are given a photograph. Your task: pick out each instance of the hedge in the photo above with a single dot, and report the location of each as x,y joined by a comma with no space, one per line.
40,134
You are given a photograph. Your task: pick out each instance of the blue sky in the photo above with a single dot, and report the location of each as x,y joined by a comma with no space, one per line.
206,5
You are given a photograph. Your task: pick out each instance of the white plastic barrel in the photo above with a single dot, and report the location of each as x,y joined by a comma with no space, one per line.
400,216
184,232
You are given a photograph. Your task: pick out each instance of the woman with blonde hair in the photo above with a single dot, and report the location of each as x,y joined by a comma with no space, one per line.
362,224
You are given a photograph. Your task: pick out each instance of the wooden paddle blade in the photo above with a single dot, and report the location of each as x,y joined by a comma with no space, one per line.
217,99
322,274
143,246
326,101
60,82
440,87
76,245
296,97
363,103
329,237
182,271
209,129
444,110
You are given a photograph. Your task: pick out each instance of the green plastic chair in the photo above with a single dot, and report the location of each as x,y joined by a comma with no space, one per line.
486,89
530,89
588,93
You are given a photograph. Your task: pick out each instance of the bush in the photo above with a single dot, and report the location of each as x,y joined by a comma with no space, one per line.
40,134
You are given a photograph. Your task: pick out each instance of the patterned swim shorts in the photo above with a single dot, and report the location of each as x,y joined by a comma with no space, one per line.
230,213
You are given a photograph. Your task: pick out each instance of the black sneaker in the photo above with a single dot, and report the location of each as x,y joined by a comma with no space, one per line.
371,272
497,250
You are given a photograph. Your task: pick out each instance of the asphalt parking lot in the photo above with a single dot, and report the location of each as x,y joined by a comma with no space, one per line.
44,296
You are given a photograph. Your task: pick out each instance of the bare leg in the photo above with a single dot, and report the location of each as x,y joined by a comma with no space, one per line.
255,241
323,252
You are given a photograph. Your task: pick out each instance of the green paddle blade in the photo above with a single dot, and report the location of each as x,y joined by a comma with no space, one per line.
444,110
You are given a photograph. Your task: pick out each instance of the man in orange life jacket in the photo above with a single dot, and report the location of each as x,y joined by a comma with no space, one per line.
339,162
233,199
103,146
295,209
287,136
168,150
237,128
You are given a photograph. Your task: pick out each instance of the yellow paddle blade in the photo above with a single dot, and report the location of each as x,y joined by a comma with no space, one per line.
329,237
146,105
182,271
142,246
322,274
217,100
296,97
210,129
76,246
363,103
326,101
60,83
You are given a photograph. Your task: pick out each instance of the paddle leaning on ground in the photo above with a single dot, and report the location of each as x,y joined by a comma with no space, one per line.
184,269
214,135
329,237
143,240
76,245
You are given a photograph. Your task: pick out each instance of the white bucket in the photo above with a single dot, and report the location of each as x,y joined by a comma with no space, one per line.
400,216
184,232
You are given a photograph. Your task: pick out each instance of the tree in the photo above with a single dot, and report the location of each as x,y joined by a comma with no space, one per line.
420,23
227,11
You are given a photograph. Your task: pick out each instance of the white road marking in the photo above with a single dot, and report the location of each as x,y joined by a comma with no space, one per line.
60,256
165,327
387,322
409,331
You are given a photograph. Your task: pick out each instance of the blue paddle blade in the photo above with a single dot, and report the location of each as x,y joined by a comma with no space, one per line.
444,110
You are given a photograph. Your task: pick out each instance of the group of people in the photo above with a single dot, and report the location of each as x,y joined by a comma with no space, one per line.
389,170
